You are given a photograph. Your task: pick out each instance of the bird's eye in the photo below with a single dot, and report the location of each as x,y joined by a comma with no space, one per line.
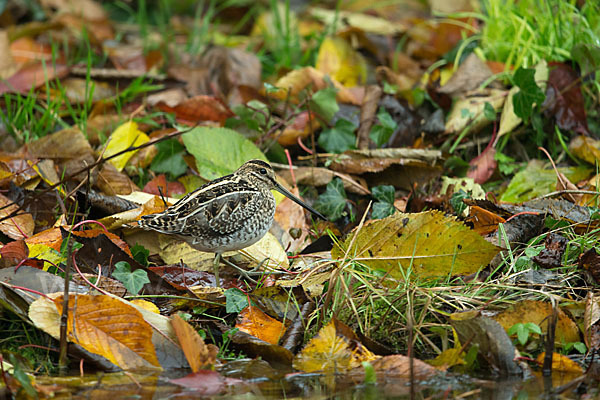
262,171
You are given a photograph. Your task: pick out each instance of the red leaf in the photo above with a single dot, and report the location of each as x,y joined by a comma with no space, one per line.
33,75
168,188
483,166
199,108
564,99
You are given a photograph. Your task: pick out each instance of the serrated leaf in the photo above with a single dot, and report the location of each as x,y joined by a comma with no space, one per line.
430,243
219,151
339,138
133,281
324,103
169,158
235,300
333,201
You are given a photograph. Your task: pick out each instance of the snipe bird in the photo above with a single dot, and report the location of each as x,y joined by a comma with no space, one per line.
227,214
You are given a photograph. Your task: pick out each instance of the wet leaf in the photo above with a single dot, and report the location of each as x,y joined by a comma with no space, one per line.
333,351
219,151
255,322
564,100
206,383
561,363
430,243
198,354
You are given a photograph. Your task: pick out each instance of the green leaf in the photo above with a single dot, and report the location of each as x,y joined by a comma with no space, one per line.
324,103
384,193
339,138
133,281
169,159
235,300
382,209
489,112
382,132
140,254
529,94
333,201
219,151
533,327
580,347
370,375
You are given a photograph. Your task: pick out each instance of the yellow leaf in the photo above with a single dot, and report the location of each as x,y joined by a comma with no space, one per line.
332,351
430,243
448,358
539,312
125,136
339,60
561,363
146,305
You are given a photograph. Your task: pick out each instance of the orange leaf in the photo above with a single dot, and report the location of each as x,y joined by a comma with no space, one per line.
198,354
256,323
108,327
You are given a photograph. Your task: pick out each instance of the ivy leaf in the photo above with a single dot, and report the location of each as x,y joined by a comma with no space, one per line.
456,201
169,158
324,103
133,281
489,112
140,254
529,94
382,210
339,138
235,300
384,193
382,132
333,202
384,207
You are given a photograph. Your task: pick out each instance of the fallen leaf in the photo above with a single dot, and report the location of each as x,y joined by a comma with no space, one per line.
125,136
430,243
17,226
255,322
198,354
561,363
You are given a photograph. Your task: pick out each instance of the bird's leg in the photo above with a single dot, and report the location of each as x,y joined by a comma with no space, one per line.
240,270
216,268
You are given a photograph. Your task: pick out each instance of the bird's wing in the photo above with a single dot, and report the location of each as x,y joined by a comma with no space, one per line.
220,208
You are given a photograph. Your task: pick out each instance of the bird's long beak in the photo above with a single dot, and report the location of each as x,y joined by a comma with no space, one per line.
296,200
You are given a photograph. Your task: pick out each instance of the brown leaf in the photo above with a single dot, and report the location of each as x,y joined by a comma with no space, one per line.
13,253
33,75
471,73
397,366
19,226
197,353
108,327
561,363
67,143
198,109
113,182
483,166
564,99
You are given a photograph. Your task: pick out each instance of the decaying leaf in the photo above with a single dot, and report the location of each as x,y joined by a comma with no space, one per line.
333,351
14,223
561,363
429,243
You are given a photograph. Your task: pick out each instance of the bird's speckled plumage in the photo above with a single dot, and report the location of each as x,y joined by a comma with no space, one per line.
229,213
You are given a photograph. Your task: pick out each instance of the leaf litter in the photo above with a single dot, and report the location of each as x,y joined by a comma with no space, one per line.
452,246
